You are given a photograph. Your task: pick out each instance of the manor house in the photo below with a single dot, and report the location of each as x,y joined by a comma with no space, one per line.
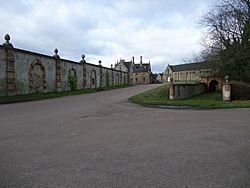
139,73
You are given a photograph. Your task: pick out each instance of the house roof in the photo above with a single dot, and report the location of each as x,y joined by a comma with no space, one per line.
194,66
144,67
128,64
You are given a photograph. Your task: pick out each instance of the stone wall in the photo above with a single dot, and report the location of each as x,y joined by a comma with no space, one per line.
2,72
23,72
182,91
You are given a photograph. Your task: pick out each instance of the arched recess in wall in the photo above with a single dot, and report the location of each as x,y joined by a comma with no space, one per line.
117,81
107,78
93,80
37,77
72,79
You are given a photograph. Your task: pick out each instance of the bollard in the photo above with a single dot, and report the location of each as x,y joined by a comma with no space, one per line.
226,89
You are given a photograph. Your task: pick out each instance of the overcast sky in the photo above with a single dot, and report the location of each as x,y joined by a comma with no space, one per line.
162,31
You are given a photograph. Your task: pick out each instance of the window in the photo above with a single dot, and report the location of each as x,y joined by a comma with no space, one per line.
144,79
136,79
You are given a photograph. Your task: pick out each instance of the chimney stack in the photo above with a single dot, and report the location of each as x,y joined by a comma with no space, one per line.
141,60
133,60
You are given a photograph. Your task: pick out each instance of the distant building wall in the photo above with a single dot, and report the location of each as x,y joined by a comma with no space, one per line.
190,75
203,72
141,78
23,72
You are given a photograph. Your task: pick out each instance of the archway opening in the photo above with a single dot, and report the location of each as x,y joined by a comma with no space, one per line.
213,86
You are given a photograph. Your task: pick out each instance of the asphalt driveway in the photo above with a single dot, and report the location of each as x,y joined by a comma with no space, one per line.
103,140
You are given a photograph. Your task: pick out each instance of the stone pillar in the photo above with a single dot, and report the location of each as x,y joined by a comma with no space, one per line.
84,81
112,74
10,67
58,71
171,90
226,89
100,65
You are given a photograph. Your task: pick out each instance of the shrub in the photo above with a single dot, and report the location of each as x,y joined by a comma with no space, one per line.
72,81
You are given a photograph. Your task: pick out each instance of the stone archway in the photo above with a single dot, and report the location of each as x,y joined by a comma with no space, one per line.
213,86
93,81
37,77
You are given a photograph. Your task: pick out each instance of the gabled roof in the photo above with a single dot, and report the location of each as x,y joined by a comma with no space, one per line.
144,67
123,62
194,66
128,64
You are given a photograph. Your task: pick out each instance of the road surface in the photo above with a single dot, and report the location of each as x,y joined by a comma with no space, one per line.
103,140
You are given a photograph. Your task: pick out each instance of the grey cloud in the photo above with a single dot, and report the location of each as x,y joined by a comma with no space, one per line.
162,31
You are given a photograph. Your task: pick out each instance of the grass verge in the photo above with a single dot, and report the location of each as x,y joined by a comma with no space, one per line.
40,96
159,97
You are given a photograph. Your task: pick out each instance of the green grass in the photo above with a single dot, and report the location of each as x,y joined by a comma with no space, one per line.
40,96
159,97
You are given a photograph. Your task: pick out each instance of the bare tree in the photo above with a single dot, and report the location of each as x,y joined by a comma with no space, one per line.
227,37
